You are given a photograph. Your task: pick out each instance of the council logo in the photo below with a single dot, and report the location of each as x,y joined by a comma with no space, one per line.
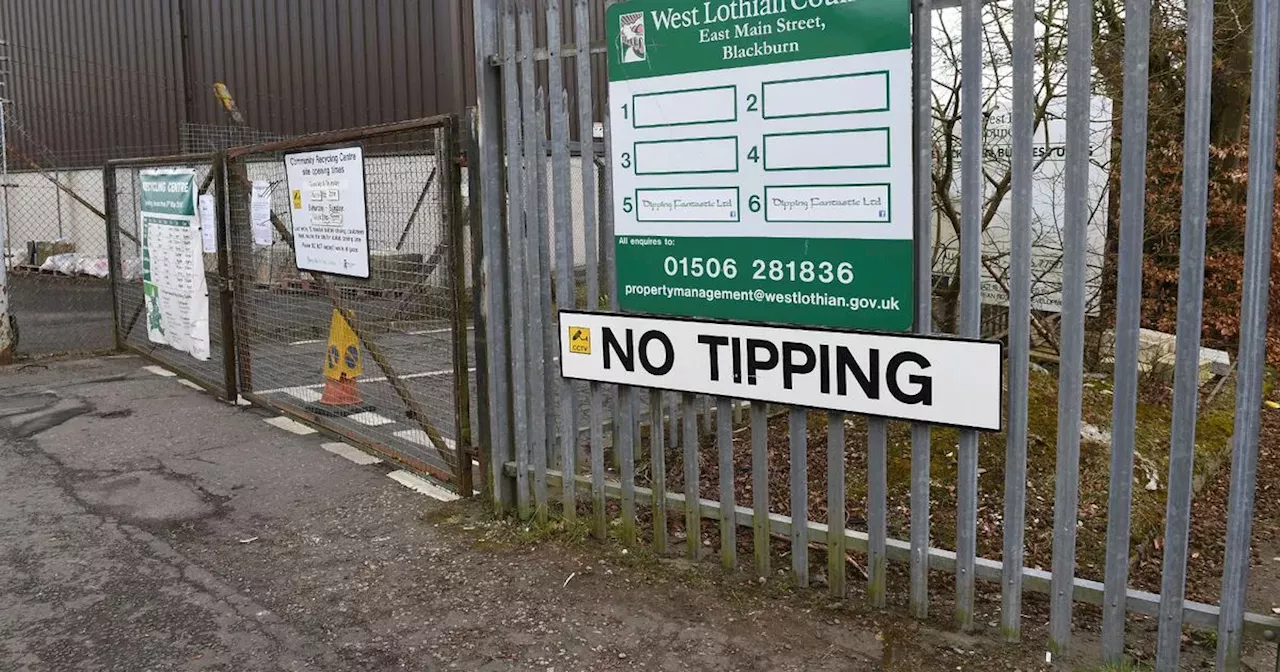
631,32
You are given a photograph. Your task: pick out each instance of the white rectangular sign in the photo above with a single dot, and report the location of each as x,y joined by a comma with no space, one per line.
260,213
208,224
940,380
326,200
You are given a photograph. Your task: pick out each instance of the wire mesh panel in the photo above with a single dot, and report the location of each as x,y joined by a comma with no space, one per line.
125,234
381,360
195,138
55,248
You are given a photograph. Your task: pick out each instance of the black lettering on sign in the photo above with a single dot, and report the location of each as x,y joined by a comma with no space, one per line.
754,363
626,351
790,367
713,344
668,352
845,363
737,360
611,345
824,368
924,390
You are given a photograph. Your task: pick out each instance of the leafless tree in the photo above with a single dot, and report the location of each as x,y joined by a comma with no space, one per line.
1049,91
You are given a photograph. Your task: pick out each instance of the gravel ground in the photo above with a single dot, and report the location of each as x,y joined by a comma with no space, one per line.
144,526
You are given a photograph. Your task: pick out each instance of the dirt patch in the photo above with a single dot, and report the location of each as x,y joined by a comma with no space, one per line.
1150,470
716,619
1212,476
1209,532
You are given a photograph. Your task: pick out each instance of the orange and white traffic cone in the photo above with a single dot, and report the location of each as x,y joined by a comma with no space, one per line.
342,366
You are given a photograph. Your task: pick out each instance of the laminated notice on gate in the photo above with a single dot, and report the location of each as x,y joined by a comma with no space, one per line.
942,380
327,204
208,224
260,212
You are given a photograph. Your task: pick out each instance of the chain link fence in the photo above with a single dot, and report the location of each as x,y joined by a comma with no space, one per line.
55,248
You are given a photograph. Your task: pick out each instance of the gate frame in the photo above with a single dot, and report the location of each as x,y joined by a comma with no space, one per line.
451,202
217,180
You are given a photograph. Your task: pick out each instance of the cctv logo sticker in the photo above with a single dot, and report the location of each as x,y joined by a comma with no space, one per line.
580,340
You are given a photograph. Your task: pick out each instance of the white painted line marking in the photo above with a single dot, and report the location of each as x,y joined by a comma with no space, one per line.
159,371
378,379
370,419
422,486
303,393
289,425
184,381
420,437
443,330
312,341
351,453
278,390
424,374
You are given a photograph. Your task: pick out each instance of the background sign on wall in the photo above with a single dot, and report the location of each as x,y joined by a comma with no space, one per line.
762,160
173,282
940,380
326,199
1048,207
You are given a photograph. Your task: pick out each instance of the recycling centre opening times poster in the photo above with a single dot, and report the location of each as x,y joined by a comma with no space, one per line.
327,205
173,281
762,160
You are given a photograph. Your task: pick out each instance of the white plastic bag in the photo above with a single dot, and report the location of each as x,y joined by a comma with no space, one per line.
132,269
60,263
97,267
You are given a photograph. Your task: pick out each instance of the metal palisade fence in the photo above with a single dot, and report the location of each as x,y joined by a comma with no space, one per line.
545,203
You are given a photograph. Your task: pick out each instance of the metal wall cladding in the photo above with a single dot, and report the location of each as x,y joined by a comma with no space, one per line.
92,79
86,77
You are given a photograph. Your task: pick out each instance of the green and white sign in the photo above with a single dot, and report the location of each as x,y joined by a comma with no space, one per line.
173,282
762,160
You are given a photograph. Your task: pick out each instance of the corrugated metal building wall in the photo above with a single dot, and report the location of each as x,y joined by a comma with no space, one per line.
82,78
97,79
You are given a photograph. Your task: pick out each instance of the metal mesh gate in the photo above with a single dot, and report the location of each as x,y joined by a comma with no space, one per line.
408,317
124,231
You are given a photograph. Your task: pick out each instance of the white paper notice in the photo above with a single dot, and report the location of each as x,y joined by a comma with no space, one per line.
260,212
208,227
326,201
